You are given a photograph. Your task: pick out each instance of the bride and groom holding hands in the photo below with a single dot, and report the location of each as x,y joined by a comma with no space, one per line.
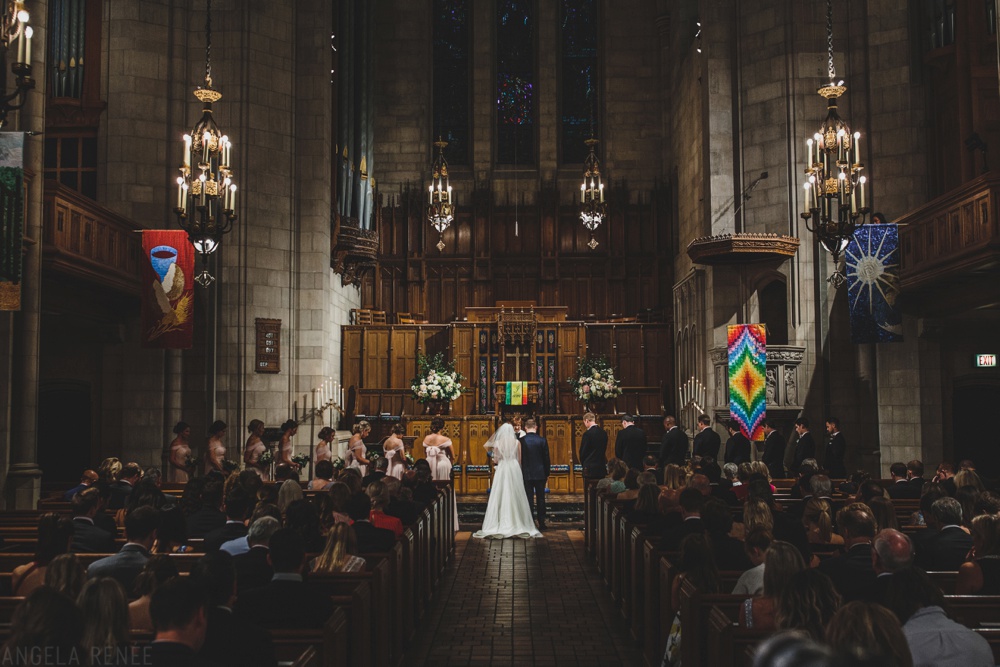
521,470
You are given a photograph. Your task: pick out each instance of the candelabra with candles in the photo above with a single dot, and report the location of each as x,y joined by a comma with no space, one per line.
14,28
206,187
834,201
440,209
592,206
329,397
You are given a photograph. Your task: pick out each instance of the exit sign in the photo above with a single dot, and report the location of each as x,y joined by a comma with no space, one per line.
986,360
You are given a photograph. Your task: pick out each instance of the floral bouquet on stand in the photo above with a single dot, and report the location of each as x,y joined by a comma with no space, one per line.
595,381
437,381
338,463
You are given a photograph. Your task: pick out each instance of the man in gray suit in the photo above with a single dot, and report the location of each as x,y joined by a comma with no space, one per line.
125,566
535,466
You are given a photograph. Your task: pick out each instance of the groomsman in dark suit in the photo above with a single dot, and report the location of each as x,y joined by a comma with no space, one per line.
535,465
707,442
738,445
630,445
805,446
774,451
674,446
836,449
593,448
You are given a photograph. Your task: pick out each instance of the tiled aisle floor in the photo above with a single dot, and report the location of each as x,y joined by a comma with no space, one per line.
522,602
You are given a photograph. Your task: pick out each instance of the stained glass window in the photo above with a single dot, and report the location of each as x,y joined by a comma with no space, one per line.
451,77
578,80
515,115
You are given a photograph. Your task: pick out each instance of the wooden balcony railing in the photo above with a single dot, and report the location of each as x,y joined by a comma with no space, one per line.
83,239
952,239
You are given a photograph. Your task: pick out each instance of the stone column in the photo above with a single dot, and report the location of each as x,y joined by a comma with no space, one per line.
23,485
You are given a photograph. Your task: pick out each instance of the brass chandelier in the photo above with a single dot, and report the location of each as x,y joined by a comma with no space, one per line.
14,28
835,202
206,188
440,209
592,206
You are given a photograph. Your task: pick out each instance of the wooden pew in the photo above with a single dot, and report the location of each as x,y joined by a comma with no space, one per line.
729,644
974,611
318,648
695,608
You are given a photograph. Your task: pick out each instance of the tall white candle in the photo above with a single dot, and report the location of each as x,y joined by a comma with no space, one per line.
28,32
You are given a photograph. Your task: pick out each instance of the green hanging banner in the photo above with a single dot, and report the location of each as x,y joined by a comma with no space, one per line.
11,218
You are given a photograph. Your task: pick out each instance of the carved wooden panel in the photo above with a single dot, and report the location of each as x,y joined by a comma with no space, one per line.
375,360
351,357
403,347
558,431
571,343
463,348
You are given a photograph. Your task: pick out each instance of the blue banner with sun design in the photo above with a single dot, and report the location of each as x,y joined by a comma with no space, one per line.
873,284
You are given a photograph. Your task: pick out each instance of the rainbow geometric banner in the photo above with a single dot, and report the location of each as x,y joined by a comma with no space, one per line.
747,381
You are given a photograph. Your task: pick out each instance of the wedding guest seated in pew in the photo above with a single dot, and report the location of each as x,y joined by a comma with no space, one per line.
756,545
782,563
145,493
885,513
66,575
267,494
614,483
424,492
934,639
892,552
159,569
785,649
237,507
804,473
818,522
334,509
944,545
253,568
46,623
379,496
286,601
171,535
370,538
719,488
674,481
379,473
696,565
651,464
241,545
750,471
400,507
968,497
339,554
106,637
756,515
646,510
987,503
229,641
289,492
728,551
931,493
302,517
870,489
980,575
55,535
852,572
122,488
870,633
692,502
631,482
915,474
807,602
351,478
901,487
209,515
86,480
181,621
125,566
87,536
630,494
945,477
787,526
324,476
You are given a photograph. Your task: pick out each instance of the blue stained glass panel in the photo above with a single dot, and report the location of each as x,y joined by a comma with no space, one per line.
515,117
451,33
578,78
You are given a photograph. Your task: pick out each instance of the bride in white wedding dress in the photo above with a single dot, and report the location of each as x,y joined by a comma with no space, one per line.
507,513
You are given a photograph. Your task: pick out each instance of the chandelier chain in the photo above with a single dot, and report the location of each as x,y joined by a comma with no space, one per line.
829,38
208,43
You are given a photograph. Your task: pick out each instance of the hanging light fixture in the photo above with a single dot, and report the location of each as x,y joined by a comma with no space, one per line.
592,206
440,210
14,28
835,186
206,189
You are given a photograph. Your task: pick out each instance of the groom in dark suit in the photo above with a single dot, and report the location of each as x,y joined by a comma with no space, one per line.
535,466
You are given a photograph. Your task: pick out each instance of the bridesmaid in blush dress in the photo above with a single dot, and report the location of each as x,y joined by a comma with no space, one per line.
395,451
441,446
356,449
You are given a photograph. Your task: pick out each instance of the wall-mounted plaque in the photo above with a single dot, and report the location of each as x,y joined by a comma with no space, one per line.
268,357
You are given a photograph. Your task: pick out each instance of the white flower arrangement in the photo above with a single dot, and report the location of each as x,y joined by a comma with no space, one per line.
595,380
437,380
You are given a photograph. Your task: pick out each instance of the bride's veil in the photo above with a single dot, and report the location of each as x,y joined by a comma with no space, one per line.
503,443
